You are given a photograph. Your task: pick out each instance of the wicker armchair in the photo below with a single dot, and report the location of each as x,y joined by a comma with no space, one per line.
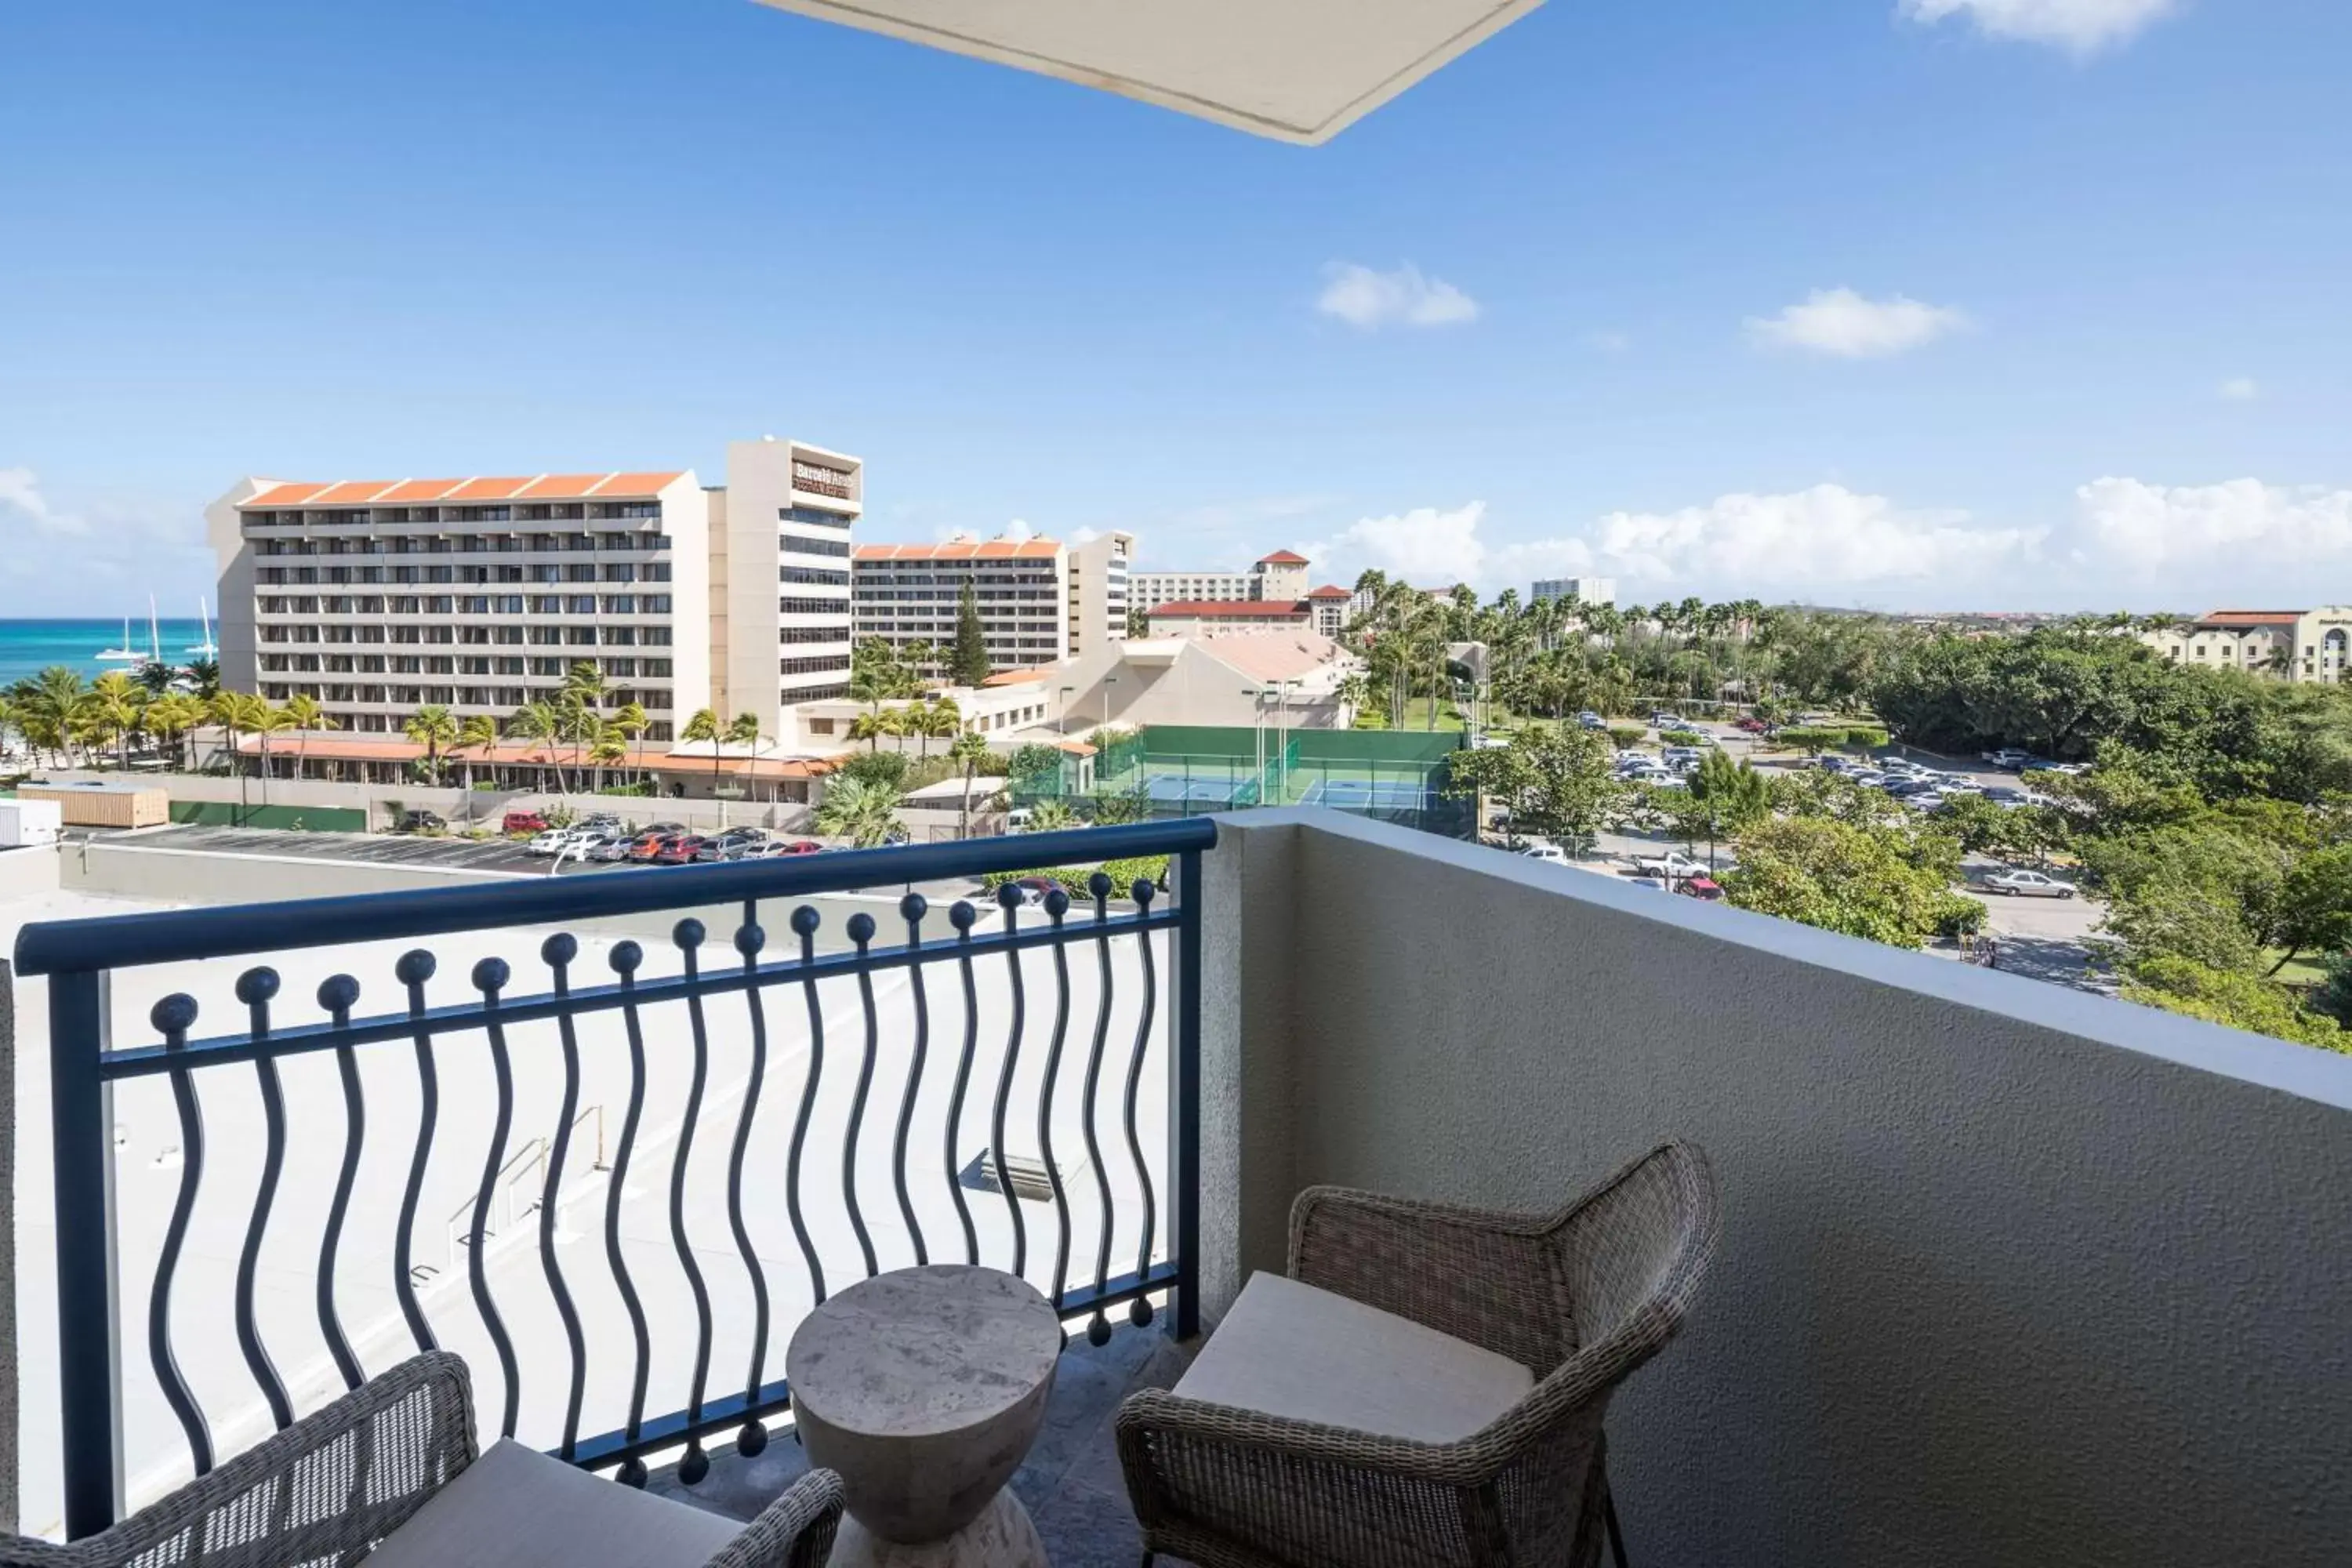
340,1485
1578,1299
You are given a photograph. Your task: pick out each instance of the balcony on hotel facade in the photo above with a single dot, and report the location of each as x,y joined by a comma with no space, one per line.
1987,1271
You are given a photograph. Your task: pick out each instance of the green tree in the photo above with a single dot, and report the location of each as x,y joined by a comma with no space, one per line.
1052,816
970,665
266,720
2181,984
705,725
862,811
968,751
116,705
1859,879
540,724
476,737
1553,779
309,718
1723,799
433,727
170,718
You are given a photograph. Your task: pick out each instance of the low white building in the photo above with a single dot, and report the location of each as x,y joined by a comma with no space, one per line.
2296,644
1293,678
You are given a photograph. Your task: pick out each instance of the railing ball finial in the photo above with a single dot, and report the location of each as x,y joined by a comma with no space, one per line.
687,934
1008,896
752,1440
415,967
1143,892
1100,885
339,994
258,985
861,928
626,957
491,975
559,950
805,920
175,1015
962,915
750,938
913,907
1058,903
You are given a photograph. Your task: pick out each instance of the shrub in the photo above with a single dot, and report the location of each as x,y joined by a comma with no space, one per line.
1957,917
1123,874
1682,737
1866,736
885,768
1626,735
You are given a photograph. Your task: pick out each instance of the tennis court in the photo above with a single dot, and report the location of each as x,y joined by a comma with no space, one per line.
1191,789
1367,794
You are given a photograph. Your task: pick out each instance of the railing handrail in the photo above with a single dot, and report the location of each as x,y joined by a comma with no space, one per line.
118,941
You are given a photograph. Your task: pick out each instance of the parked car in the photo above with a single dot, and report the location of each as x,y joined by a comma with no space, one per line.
522,821
726,846
2010,757
550,842
1706,888
1923,800
1751,723
1665,720
421,822
2007,794
678,848
650,844
2029,885
778,847
1588,719
2044,766
611,847
1550,854
1672,863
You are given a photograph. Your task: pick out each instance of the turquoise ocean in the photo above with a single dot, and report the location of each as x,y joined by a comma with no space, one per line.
27,647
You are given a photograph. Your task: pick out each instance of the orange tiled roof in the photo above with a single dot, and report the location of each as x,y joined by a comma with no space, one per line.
345,748
1211,609
641,485
1016,677
1330,591
990,549
1283,558
2251,617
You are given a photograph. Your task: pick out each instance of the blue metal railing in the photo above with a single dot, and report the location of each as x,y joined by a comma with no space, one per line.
80,957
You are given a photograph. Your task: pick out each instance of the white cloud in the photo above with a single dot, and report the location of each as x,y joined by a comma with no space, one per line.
1086,535
2240,389
1368,300
2143,528
1840,322
24,506
2082,25
1807,542
1828,536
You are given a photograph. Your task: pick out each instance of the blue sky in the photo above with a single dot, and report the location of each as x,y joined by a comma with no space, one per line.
1895,302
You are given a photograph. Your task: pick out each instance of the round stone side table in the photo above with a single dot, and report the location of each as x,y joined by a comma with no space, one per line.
924,1388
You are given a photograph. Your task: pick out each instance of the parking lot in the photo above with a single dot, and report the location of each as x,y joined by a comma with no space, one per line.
368,849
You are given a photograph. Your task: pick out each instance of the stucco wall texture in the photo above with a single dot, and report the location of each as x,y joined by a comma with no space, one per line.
2009,1273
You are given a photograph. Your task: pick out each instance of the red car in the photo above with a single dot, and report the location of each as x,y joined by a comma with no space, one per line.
523,822
778,848
645,846
679,849
1706,888
1750,722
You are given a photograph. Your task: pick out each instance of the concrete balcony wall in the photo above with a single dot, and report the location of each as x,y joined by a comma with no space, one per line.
2010,1273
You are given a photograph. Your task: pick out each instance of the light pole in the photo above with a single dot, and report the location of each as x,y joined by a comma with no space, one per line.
1108,681
1257,728
1062,720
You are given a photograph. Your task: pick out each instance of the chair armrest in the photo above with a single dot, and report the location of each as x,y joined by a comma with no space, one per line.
1485,1276
326,1489
795,1530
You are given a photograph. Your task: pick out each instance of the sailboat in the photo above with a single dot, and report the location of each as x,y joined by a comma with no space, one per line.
126,654
206,648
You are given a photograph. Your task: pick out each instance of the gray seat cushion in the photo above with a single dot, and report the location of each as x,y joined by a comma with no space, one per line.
1290,1350
516,1507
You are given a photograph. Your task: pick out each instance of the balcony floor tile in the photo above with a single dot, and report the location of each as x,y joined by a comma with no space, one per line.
1071,1484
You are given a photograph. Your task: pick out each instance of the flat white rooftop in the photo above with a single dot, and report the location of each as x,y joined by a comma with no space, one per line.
1296,70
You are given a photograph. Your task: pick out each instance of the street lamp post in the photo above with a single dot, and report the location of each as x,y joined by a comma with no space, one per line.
1062,720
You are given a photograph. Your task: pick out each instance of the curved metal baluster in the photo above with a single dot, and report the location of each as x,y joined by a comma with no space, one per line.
625,959
1008,898
912,906
749,940
174,1016
961,917
694,1464
861,931
1139,1312
255,987
337,995
413,971
1057,904
489,977
805,923
558,951
1099,884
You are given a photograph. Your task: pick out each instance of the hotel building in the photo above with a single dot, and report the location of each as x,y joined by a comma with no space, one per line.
1100,580
2295,645
377,597
908,594
1583,590
1279,576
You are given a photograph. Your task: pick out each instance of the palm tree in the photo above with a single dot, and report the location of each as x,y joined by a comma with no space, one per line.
431,727
871,727
745,733
540,722
633,722
113,708
611,748
938,718
205,673
705,726
307,716
170,718
968,751
1052,816
46,706
864,811
265,720
476,736
230,710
